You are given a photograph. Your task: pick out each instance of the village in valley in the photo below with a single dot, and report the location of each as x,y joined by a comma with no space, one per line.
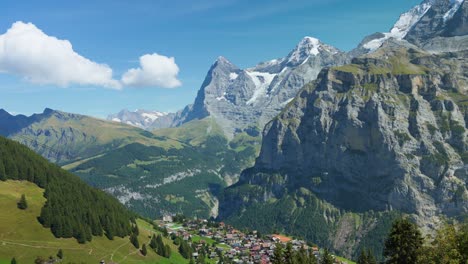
215,241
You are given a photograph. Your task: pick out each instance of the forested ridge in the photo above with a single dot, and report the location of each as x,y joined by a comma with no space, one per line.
73,209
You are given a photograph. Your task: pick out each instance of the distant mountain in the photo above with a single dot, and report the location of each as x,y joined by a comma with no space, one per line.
148,120
63,137
192,162
245,99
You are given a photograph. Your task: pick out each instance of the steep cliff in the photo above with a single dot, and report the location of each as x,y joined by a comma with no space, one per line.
386,133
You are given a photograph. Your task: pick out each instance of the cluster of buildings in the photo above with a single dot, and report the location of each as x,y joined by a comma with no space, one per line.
239,247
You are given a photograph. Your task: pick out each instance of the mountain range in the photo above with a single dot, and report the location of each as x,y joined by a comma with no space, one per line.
349,140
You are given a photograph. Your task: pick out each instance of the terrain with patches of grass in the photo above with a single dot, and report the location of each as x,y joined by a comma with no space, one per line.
23,237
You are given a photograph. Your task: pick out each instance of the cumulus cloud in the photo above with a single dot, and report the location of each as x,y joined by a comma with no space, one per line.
155,71
28,52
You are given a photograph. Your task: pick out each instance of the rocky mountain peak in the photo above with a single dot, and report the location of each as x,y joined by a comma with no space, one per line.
307,47
48,111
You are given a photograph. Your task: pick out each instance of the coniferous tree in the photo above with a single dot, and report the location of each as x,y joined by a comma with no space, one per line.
462,238
278,254
134,240
362,259
167,251
326,258
22,204
403,245
3,176
301,256
312,259
144,251
288,254
370,257
13,261
60,254
153,243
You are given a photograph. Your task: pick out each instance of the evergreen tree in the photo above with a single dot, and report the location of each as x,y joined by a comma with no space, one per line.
153,243
301,256
3,176
135,230
185,250
134,240
191,261
370,257
362,259
144,251
462,238
13,261
445,247
60,254
167,251
312,259
404,243
278,254
326,258
288,254
22,204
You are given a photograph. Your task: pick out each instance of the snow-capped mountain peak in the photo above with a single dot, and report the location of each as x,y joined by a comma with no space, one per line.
408,26
306,48
141,118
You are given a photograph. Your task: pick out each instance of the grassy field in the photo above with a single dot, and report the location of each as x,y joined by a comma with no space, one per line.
23,237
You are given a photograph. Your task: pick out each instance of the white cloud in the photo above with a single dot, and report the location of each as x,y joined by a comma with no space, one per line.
28,52
155,71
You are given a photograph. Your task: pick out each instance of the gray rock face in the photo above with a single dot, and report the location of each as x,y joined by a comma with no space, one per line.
445,18
387,132
242,98
149,120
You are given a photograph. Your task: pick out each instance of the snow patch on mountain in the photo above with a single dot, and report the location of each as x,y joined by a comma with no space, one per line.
139,118
402,26
262,81
233,76
456,4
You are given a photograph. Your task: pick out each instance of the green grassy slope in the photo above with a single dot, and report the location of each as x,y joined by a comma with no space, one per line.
23,237
63,137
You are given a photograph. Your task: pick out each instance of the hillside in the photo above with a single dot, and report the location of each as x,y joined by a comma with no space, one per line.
62,213
64,137
186,179
23,237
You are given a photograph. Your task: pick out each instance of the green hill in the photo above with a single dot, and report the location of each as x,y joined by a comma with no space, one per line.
23,237
64,137
63,213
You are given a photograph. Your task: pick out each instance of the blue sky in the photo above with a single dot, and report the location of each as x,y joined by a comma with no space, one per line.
118,32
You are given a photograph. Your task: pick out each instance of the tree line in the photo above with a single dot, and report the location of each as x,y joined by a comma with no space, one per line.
72,209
